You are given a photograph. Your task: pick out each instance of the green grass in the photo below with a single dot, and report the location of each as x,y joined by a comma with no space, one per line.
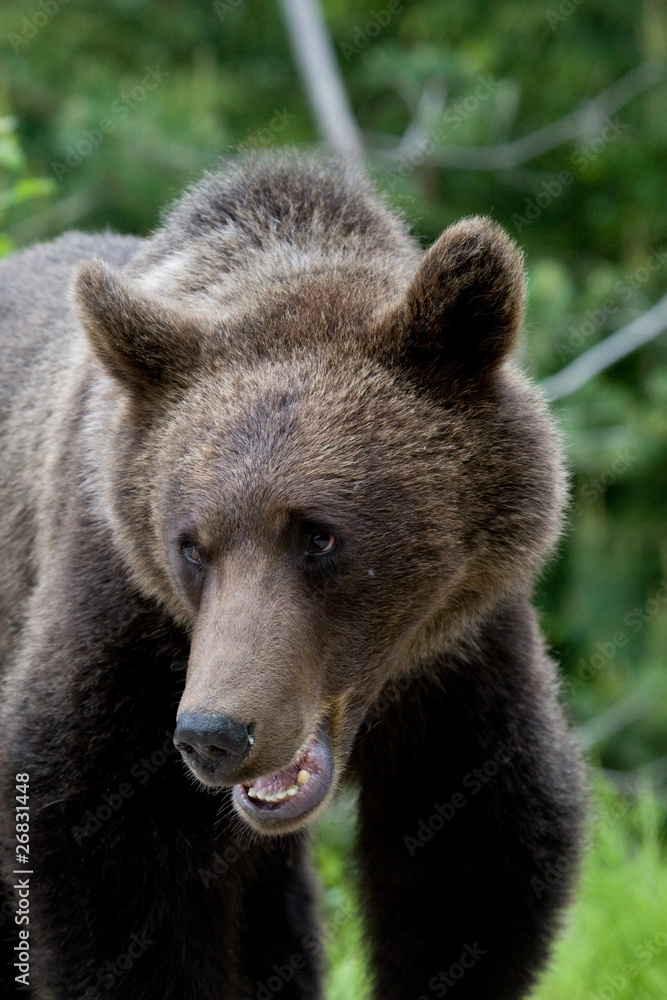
614,946
342,926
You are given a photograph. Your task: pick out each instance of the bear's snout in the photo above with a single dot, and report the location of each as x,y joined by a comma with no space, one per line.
213,744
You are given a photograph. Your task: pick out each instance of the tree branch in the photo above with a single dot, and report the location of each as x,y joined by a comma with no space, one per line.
615,718
315,56
430,108
585,121
316,60
608,351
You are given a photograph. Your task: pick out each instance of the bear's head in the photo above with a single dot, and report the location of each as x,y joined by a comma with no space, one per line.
329,488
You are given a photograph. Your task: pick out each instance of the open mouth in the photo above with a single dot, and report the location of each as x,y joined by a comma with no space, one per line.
287,795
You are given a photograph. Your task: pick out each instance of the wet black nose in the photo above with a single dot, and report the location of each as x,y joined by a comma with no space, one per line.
209,737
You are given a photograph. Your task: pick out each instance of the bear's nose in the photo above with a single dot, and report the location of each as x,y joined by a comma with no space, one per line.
208,737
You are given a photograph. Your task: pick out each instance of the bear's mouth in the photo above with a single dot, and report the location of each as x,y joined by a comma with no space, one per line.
275,800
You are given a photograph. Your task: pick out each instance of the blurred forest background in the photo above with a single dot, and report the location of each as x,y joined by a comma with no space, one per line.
552,118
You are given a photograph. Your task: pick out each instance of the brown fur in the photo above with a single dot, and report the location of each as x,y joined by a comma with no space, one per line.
281,353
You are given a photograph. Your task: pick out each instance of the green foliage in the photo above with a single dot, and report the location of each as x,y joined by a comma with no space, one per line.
14,189
342,935
615,944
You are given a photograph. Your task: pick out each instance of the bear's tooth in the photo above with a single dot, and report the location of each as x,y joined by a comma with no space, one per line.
292,790
261,794
303,777
282,794
252,793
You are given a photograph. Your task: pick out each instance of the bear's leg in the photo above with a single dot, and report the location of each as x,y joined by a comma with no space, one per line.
279,940
470,816
141,886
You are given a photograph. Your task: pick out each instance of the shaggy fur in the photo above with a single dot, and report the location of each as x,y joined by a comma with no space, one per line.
280,354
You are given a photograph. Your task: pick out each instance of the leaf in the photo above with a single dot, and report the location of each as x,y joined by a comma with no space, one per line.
24,190
11,155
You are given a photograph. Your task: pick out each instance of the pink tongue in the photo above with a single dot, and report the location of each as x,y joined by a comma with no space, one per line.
274,783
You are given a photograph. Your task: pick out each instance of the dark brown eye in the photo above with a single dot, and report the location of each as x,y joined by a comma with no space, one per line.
320,542
193,555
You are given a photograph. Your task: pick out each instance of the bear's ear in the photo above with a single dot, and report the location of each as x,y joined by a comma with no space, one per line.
139,339
463,309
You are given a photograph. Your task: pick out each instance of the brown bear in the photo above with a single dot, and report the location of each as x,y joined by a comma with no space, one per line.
272,485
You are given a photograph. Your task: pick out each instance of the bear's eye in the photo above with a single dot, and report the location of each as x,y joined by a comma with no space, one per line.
193,555
320,542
